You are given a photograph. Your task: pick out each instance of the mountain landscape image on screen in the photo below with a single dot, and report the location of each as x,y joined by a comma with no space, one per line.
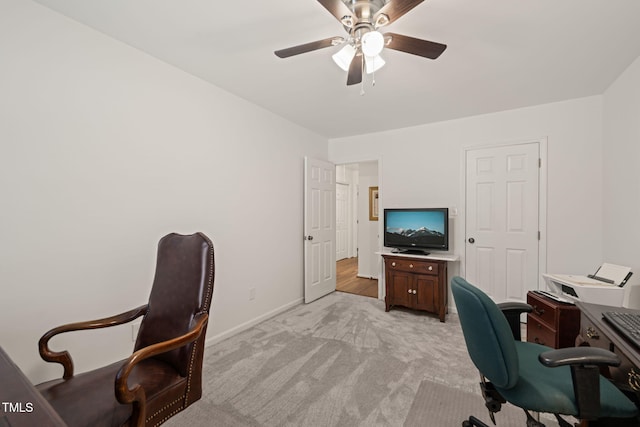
408,237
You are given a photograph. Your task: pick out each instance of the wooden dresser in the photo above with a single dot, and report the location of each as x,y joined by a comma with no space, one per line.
552,323
419,283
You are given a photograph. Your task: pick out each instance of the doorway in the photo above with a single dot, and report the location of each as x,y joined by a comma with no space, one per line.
347,279
505,221
357,264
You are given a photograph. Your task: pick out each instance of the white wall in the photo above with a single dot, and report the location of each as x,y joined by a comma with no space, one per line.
621,153
103,150
422,166
368,261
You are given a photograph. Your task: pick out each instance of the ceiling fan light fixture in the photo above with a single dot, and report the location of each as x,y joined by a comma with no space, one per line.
372,43
344,56
373,64
382,20
347,21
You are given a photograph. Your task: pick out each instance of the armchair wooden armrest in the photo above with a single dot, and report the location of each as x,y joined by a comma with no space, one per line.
136,394
63,357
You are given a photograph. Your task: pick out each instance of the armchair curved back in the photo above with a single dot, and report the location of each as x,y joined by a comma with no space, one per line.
182,288
487,334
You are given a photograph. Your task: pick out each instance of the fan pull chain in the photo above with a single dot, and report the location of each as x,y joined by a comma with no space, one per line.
363,76
373,73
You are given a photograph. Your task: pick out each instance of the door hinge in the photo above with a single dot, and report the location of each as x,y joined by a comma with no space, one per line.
539,163
538,235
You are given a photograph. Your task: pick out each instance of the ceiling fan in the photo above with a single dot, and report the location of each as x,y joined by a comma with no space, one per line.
362,47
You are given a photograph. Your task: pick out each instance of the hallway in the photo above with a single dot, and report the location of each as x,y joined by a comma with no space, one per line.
348,281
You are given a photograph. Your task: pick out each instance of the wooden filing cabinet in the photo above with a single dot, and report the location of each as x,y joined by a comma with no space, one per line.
416,283
552,323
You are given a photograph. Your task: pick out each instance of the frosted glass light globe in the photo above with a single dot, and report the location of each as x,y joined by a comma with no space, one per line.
372,43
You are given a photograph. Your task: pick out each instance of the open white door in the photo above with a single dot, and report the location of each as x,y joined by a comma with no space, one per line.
319,229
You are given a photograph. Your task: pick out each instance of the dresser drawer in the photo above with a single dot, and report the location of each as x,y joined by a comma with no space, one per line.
552,323
412,266
540,333
543,310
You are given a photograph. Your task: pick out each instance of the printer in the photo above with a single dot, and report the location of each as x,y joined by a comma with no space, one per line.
604,287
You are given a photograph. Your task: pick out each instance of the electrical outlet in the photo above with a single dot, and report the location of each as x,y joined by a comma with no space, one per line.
252,294
135,327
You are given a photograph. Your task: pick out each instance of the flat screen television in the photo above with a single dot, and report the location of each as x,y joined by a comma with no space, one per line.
416,230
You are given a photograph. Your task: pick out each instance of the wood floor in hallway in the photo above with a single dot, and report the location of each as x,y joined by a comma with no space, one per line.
348,281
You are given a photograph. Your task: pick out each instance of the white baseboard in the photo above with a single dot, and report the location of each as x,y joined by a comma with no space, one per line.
244,326
362,276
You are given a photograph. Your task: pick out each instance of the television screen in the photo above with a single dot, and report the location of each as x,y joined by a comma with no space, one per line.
416,230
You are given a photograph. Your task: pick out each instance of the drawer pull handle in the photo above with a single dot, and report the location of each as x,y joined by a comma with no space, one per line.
409,290
592,334
393,264
538,311
430,268
634,380
410,265
414,291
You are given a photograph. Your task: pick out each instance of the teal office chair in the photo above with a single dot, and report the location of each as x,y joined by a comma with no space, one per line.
531,376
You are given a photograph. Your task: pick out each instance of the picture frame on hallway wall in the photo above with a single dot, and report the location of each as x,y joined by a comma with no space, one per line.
373,203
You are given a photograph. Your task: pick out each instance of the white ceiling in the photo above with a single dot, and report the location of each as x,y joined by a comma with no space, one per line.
501,54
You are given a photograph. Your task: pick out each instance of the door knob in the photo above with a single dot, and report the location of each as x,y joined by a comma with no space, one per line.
309,238
472,240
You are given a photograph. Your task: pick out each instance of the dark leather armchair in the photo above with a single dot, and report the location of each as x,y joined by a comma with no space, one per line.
164,374
531,376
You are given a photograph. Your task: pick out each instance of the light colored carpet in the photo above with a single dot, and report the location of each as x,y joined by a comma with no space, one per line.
341,361
439,405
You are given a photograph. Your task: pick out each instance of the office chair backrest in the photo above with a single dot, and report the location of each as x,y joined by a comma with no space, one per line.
182,288
487,333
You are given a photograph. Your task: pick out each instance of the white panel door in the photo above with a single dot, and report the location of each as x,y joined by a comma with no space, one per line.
502,220
342,221
319,229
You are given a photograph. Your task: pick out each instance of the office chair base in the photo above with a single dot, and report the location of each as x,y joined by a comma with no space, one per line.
532,422
473,422
562,422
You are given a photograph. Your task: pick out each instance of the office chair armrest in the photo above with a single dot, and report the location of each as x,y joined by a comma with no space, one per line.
512,311
136,394
63,357
510,306
579,356
585,374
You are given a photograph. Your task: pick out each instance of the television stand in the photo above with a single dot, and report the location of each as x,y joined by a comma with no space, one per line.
417,282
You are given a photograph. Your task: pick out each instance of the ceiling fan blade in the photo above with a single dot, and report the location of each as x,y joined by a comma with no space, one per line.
308,47
355,70
396,8
419,47
337,8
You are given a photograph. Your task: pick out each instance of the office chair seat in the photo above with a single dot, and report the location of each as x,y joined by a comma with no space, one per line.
543,389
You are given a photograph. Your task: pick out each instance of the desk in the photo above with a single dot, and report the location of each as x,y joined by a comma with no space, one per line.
596,332
21,405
